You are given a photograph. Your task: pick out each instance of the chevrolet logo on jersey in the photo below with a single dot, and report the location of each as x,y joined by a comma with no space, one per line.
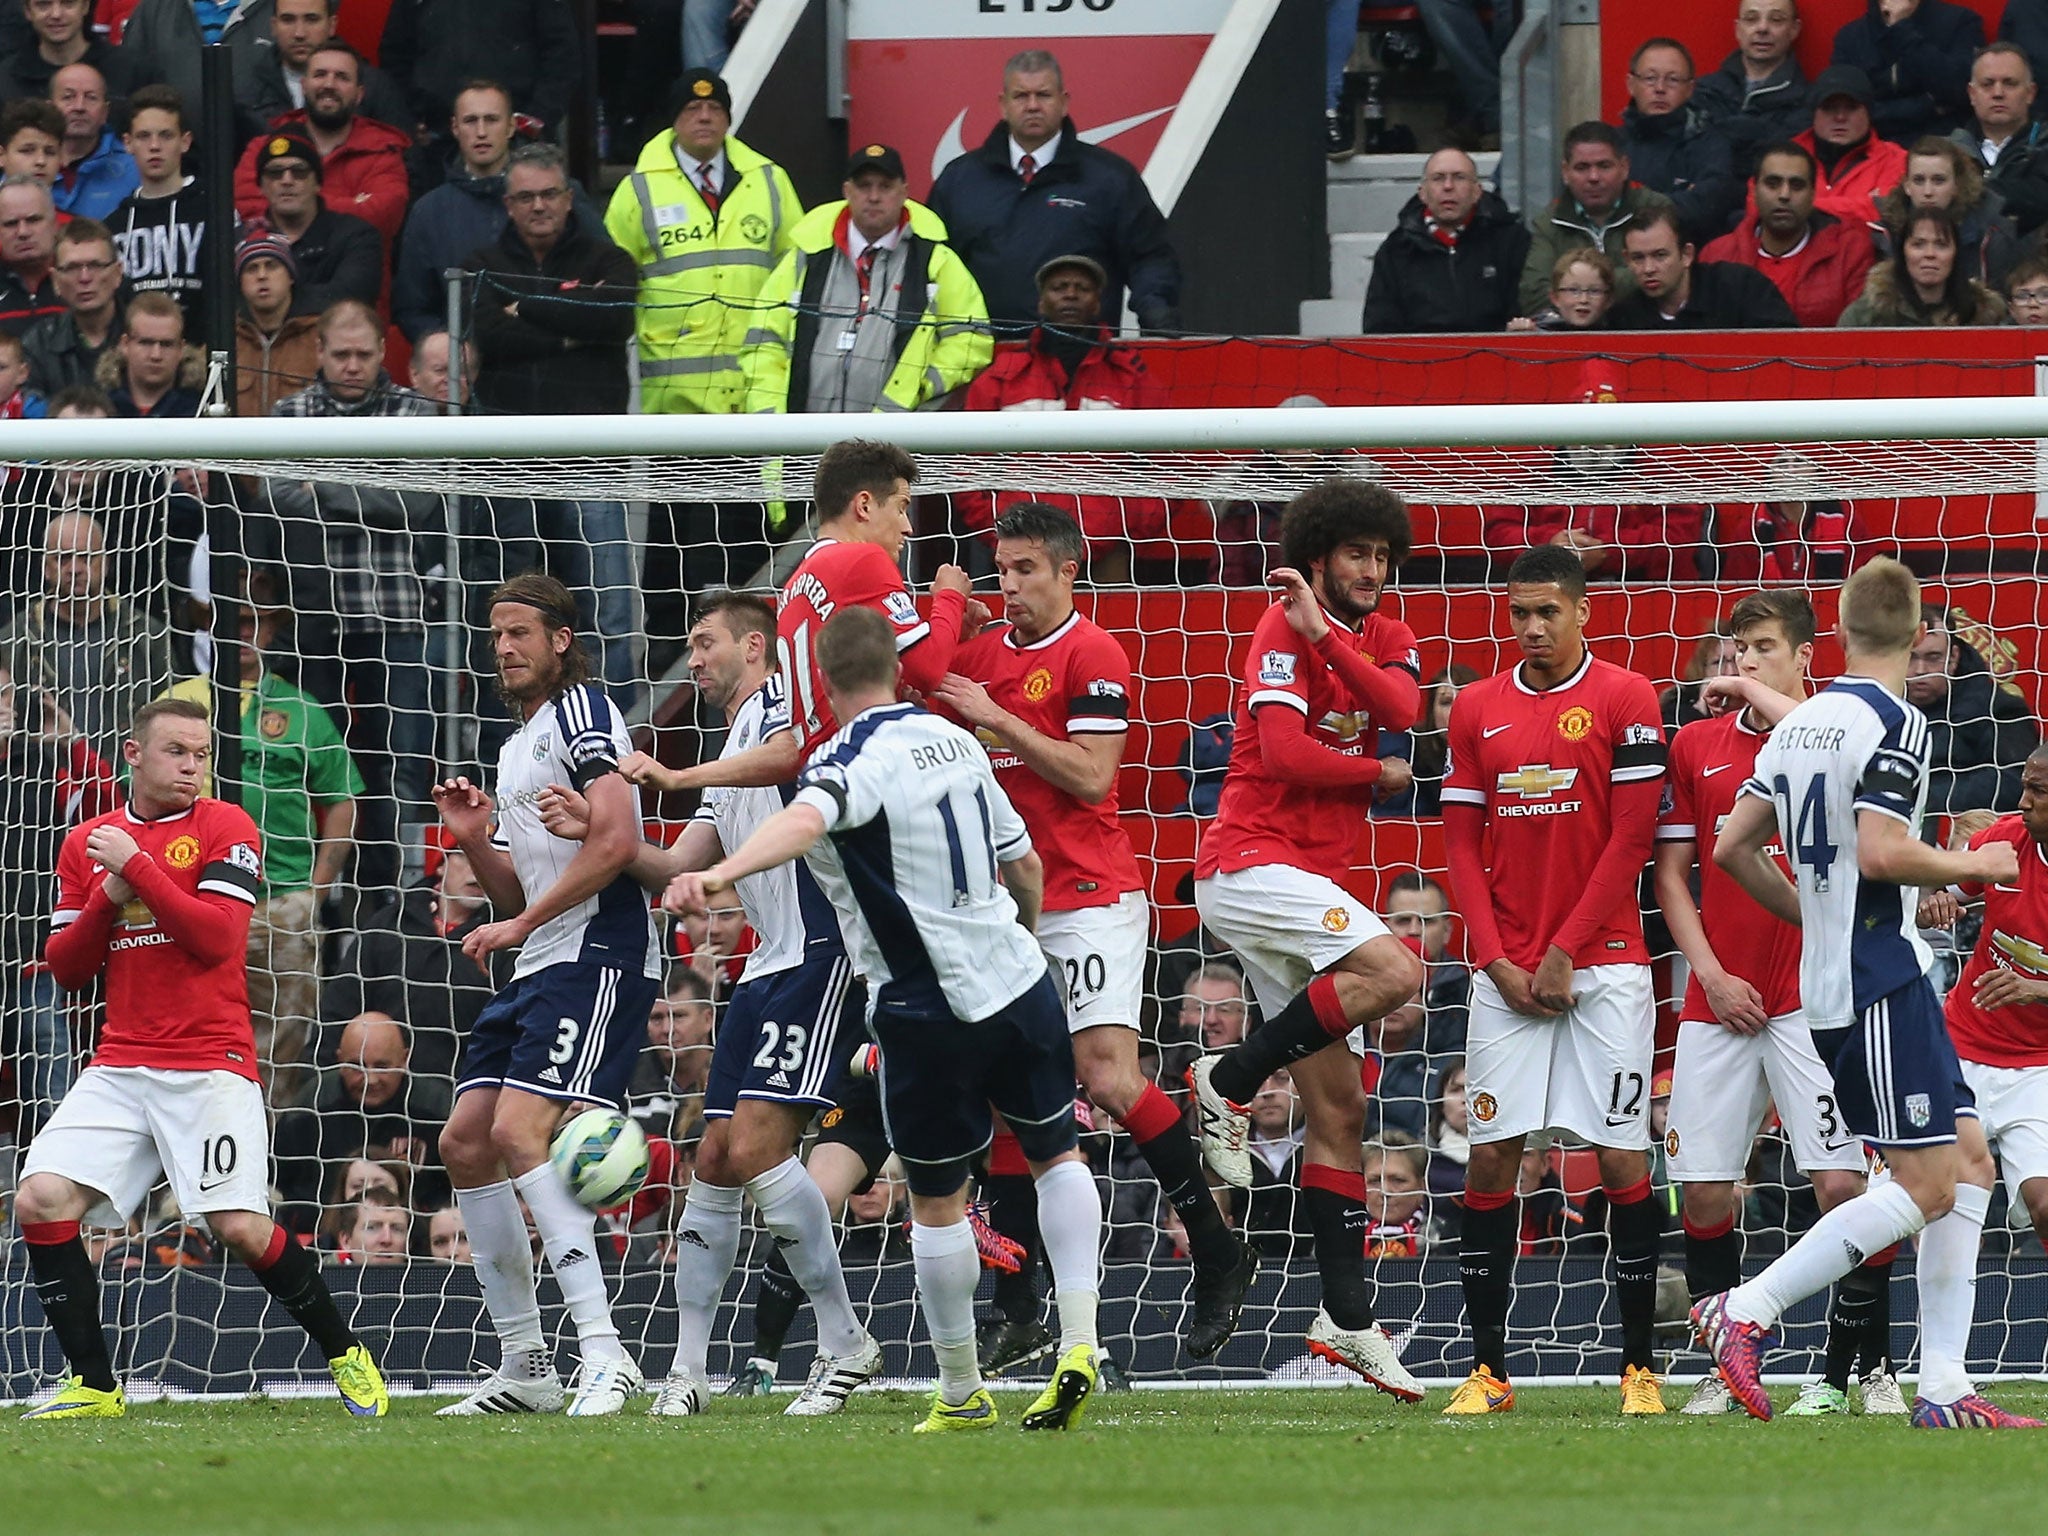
2024,954
1536,781
1346,728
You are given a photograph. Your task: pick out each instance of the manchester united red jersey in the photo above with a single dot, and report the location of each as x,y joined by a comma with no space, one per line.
1710,761
1543,767
1074,682
2014,938
1259,819
164,1008
832,575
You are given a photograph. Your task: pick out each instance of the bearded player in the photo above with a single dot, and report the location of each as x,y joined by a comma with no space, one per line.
158,897
1550,807
780,1043
569,1026
1327,671
1842,788
1049,694
1743,1040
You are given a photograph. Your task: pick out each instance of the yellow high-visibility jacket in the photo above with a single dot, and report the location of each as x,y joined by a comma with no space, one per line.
699,275
940,350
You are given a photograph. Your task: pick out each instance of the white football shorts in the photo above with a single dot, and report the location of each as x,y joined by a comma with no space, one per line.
1100,955
1587,1071
120,1129
1723,1083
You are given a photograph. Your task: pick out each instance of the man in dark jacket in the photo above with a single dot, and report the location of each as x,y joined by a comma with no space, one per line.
432,48
1673,291
1979,730
2003,138
409,963
1758,95
63,351
1453,261
1672,147
1917,54
1034,191
553,315
338,255
274,82
61,33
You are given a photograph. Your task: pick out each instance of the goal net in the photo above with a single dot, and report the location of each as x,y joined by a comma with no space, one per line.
342,597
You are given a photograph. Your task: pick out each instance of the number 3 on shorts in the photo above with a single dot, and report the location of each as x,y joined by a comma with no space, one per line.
565,1041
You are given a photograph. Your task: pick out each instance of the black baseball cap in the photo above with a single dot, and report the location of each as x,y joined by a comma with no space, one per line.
700,85
1843,80
876,157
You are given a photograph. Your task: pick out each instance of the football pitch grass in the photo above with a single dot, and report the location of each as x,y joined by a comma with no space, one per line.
1274,1463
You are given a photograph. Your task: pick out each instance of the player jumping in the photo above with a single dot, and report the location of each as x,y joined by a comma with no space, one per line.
159,897
943,879
1049,694
1550,807
569,1027
1743,1042
1327,670
1842,785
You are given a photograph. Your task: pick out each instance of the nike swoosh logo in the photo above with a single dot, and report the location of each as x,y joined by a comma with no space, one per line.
1708,773
2010,890
1620,1120
1489,734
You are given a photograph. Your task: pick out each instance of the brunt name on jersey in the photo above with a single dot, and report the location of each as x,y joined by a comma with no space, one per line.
2014,953
1535,783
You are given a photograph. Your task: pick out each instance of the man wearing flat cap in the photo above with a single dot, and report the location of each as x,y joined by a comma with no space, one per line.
705,218
871,311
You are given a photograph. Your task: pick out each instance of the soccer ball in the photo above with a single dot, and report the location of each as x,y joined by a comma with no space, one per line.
602,1157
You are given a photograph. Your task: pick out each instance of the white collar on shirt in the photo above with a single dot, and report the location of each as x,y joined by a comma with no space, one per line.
694,168
1041,157
856,242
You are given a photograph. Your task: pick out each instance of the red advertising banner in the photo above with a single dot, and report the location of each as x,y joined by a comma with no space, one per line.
925,75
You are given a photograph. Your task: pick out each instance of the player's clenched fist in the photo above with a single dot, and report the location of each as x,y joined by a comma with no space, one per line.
564,812
639,768
1996,864
689,894
111,848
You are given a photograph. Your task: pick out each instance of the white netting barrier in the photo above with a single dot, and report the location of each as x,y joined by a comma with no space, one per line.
368,565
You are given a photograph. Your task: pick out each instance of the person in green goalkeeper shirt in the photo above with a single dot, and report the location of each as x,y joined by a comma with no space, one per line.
299,786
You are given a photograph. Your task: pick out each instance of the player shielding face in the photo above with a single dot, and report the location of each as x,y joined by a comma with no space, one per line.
1743,1040
1549,811
1048,692
1327,670
1842,786
1998,1012
568,1027
158,897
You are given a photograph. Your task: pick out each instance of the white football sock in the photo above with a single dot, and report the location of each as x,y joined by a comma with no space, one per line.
502,1255
1070,1225
1948,1295
707,1242
948,1269
568,1232
1882,1215
793,1208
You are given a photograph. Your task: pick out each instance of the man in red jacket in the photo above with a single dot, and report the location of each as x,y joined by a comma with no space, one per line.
1856,166
362,161
1070,363
1817,260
